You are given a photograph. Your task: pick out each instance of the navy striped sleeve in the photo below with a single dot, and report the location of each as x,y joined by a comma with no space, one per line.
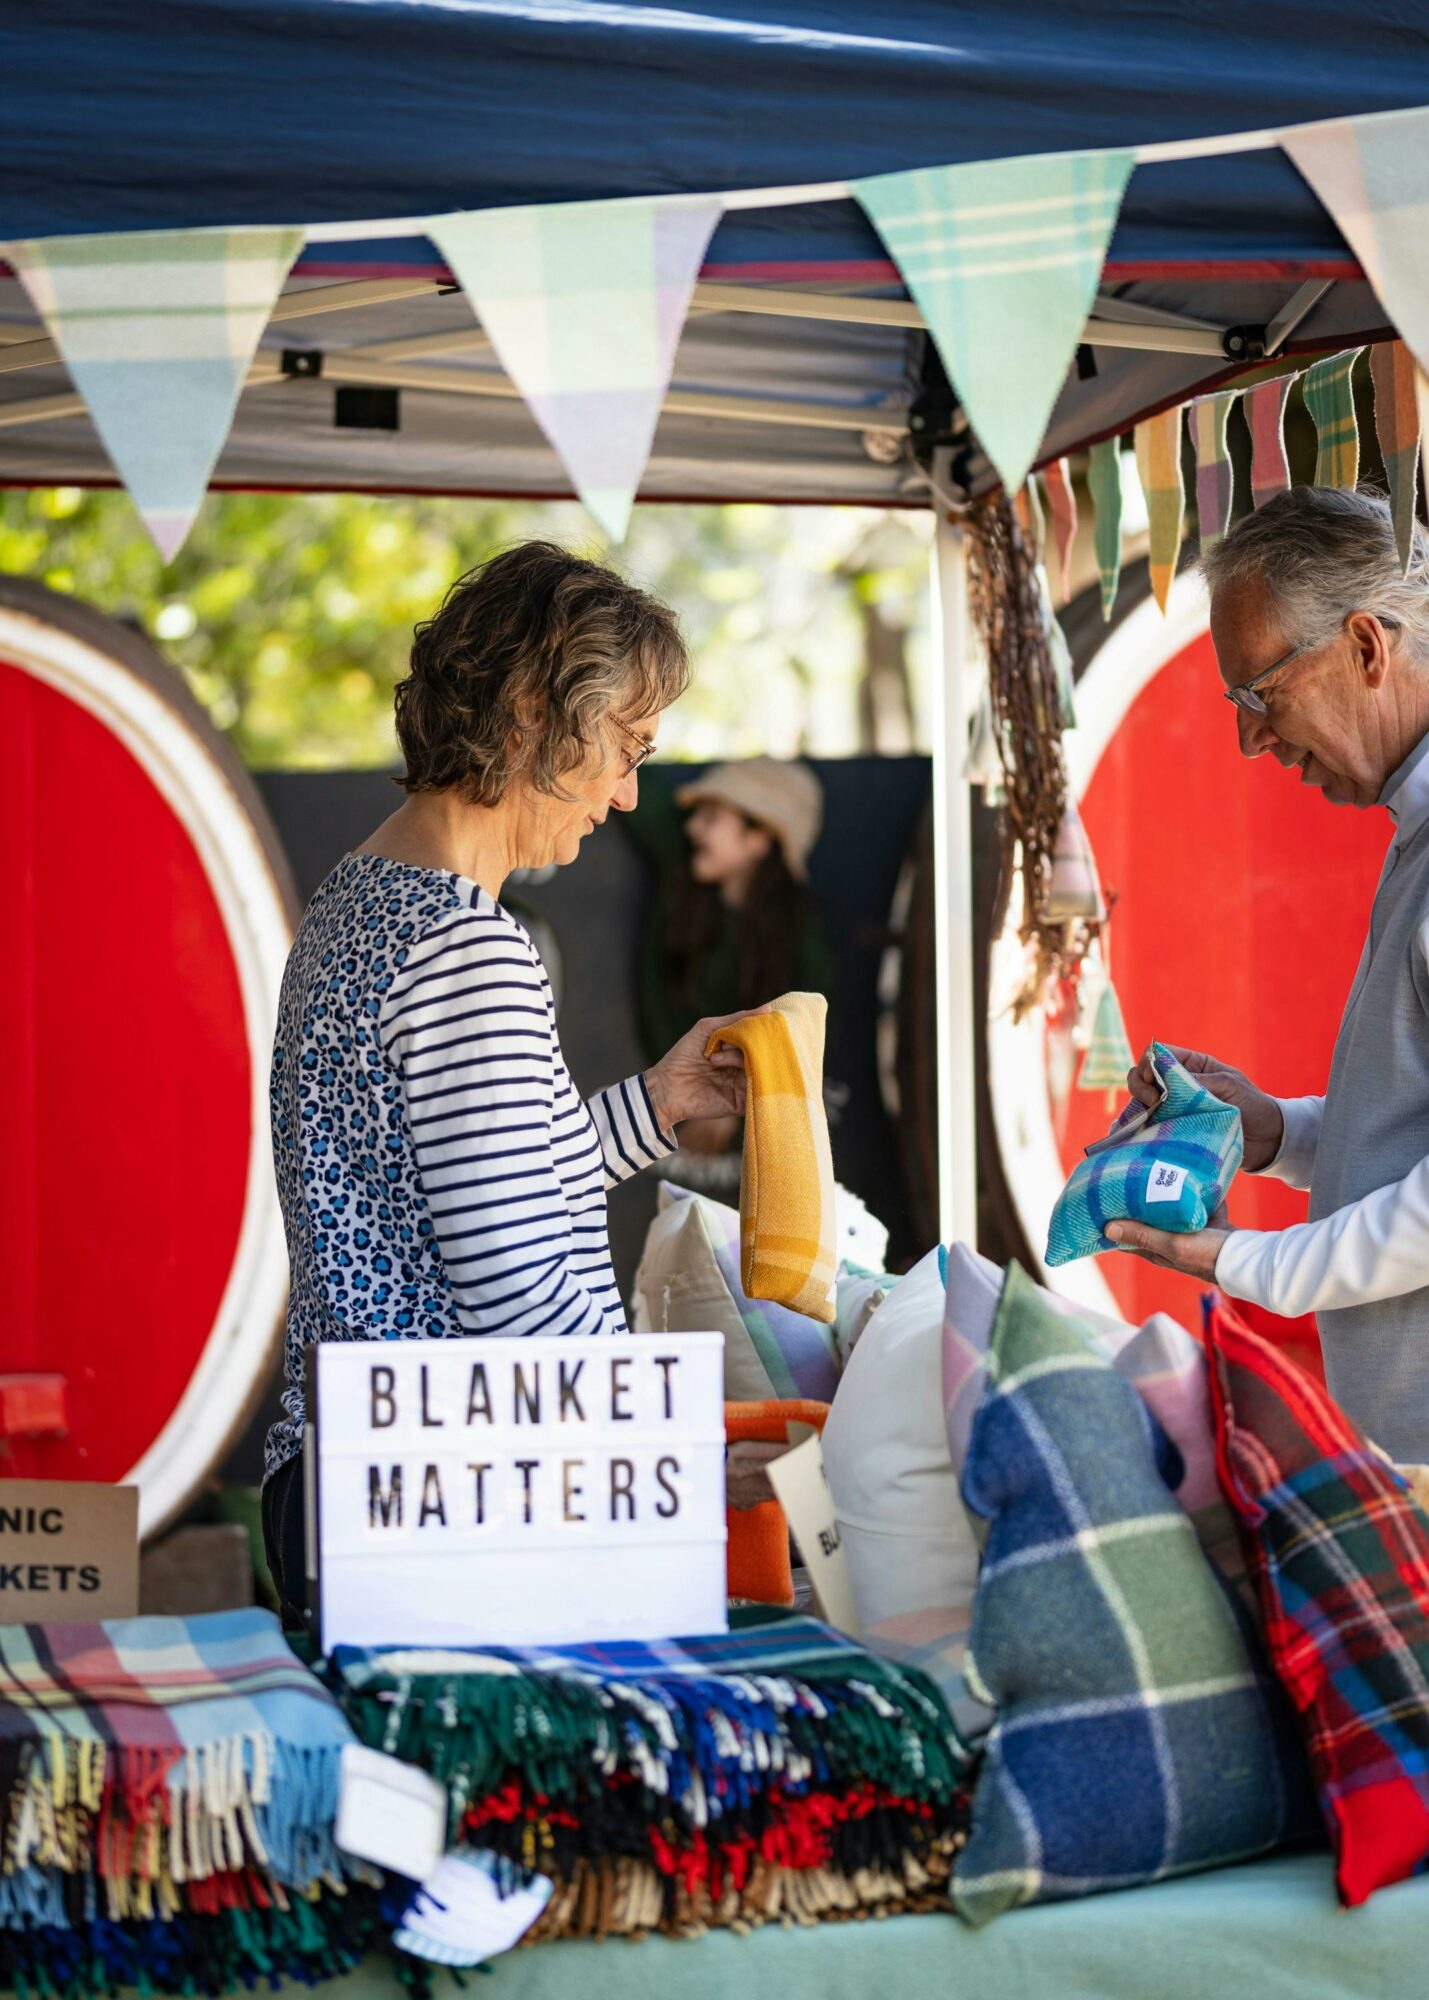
628,1130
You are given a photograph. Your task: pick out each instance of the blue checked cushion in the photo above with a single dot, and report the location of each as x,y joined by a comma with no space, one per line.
1138,1732
1169,1167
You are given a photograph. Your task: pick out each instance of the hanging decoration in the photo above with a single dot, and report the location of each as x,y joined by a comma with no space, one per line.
1003,258
1104,485
1109,1052
1214,479
1330,398
1031,518
1005,601
1074,890
158,331
1062,505
584,303
1158,460
1396,422
1265,415
1372,174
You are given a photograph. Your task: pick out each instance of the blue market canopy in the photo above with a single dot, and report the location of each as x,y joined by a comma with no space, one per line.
803,361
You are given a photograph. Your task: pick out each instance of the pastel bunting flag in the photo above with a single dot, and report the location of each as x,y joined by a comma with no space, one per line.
1396,423
1104,485
1330,398
1158,460
1265,414
1062,506
1214,489
1372,174
584,303
1003,258
1109,1053
1074,888
1030,517
158,331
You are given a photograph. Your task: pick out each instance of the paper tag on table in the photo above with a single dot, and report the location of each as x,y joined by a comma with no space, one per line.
803,1492
391,1813
460,1915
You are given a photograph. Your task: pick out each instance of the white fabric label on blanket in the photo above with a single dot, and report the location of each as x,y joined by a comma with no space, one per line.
1163,1182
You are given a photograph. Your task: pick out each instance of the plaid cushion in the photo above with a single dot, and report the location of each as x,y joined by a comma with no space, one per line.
1169,1167
1340,1555
1136,1735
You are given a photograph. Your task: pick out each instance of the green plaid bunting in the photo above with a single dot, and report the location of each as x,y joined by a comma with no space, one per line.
584,303
157,331
1104,485
1003,258
1396,421
1109,1052
1330,399
1158,460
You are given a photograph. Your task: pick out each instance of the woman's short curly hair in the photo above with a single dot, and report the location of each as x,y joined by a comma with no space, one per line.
514,673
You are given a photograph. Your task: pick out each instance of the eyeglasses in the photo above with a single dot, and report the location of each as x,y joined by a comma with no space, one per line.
644,748
1244,695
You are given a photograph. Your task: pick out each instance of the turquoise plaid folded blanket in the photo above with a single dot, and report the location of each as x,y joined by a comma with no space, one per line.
1169,1166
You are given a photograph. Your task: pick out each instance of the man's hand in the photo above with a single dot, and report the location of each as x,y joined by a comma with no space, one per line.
1194,1253
687,1083
1260,1115
746,1472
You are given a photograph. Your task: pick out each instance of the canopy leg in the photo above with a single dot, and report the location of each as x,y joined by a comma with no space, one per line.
953,888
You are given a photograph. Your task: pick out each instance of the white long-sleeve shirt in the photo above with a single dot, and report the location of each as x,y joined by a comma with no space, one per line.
438,1173
1362,1260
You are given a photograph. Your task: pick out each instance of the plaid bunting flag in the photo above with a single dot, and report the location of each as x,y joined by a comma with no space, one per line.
157,331
584,303
1372,174
1104,485
1003,258
1214,478
1265,414
1158,460
1062,505
1396,422
1330,399
1109,1052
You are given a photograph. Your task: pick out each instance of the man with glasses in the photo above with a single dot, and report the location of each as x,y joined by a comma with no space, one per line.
1323,645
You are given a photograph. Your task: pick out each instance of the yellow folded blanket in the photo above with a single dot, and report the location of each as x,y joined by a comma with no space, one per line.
786,1190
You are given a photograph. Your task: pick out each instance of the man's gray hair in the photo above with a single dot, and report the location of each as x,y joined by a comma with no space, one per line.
1321,553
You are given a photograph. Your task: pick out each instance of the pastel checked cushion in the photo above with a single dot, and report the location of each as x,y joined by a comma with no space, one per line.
1137,1735
1339,1551
1169,1167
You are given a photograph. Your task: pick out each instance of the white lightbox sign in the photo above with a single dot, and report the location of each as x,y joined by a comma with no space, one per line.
519,1492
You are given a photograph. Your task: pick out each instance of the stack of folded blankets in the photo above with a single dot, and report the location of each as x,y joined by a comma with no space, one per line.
168,1788
774,1773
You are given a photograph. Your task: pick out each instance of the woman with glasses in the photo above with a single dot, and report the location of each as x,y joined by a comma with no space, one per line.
438,1174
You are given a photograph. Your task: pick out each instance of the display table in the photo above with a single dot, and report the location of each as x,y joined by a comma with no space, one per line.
1271,1929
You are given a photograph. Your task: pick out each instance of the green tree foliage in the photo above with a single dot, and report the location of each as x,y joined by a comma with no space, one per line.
291,616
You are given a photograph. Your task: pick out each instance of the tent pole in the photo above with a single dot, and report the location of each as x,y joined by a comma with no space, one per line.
953,886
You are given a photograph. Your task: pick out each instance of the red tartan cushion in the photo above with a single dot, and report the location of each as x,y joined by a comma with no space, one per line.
1339,1554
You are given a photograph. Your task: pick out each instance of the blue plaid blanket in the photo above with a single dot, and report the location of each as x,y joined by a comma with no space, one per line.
1169,1166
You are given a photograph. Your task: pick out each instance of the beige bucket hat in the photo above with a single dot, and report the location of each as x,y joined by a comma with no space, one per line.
787,798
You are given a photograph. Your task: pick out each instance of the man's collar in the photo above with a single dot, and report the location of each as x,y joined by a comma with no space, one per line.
1406,792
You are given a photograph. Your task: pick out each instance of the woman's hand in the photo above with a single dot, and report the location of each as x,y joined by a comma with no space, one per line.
1194,1252
1260,1116
687,1083
746,1472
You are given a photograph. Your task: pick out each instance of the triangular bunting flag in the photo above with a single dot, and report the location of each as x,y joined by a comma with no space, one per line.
1209,417
157,331
1109,1054
1396,422
1330,399
1158,460
1074,888
1003,258
1104,485
1058,651
1062,505
1265,414
584,303
1030,517
1372,174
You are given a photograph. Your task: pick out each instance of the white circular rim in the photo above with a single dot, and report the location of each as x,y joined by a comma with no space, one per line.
1127,662
242,1340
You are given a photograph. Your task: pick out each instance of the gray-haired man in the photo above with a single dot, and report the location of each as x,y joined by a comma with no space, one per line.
1323,645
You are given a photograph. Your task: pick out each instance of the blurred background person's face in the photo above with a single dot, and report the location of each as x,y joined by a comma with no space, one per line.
725,849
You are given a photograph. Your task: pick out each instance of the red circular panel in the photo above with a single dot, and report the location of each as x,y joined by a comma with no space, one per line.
1243,900
128,1120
